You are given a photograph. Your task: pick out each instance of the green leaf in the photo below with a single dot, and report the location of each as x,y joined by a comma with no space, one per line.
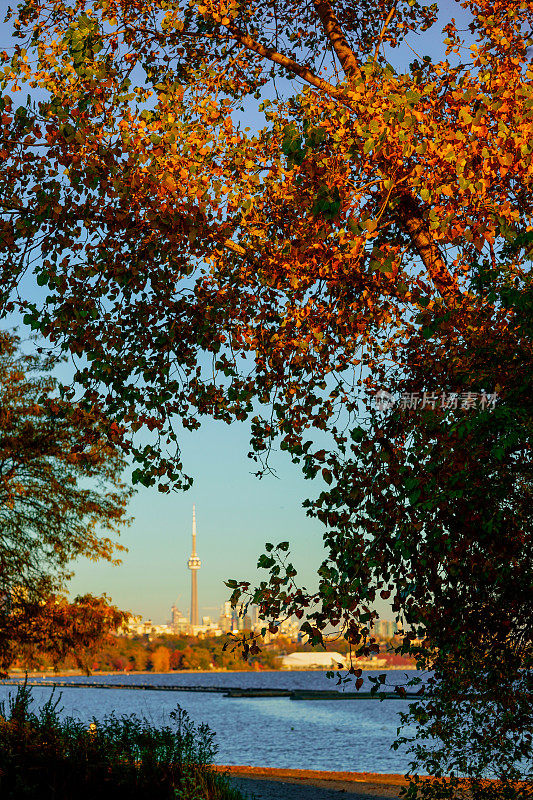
386,266
327,203
315,137
292,140
412,97
265,562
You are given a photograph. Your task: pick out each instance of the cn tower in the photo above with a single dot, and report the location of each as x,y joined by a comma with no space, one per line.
194,565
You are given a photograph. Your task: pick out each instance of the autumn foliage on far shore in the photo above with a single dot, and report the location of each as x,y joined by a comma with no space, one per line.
175,653
56,631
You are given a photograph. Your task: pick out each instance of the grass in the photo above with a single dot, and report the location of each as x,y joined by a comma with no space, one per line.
46,756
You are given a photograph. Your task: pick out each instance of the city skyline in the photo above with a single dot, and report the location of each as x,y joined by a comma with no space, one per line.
154,572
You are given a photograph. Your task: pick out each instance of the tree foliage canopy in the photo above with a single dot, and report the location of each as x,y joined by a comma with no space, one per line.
61,493
60,478
199,266
373,233
53,628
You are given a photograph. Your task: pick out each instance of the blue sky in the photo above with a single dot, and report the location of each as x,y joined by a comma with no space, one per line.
236,512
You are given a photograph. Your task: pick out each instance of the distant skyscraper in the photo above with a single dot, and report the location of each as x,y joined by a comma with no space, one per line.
194,564
178,622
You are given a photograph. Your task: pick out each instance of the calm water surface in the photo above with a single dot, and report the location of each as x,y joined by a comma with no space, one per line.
271,732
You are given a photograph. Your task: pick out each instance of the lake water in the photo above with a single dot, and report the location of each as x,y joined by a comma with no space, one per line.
353,735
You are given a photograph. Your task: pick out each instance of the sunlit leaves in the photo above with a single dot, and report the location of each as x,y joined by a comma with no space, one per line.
50,451
285,275
53,627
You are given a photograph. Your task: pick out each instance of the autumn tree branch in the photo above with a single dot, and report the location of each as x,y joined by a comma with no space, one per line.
336,37
412,220
283,61
408,211
385,25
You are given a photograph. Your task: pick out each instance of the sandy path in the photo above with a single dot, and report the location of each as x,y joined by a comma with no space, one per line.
283,784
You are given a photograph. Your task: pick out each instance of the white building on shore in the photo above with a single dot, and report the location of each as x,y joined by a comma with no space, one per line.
313,661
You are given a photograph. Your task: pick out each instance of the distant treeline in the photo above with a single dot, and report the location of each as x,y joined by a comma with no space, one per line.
179,652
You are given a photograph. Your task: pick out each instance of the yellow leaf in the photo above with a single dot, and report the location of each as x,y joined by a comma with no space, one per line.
169,182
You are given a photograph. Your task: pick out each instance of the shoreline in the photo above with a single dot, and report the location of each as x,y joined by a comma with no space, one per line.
15,674
284,774
270,783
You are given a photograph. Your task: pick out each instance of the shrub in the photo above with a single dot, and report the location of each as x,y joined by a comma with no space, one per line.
124,758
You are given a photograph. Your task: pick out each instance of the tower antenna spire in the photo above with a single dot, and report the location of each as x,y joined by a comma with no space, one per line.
194,565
